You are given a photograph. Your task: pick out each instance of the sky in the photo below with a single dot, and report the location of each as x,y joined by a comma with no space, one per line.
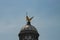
46,19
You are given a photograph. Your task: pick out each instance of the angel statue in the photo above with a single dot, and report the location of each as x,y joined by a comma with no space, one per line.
28,19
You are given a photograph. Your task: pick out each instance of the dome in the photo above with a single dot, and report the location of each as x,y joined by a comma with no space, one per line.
28,29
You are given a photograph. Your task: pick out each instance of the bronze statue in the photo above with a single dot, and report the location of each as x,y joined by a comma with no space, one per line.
28,19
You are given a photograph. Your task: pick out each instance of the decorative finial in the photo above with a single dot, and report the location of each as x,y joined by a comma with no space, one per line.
28,18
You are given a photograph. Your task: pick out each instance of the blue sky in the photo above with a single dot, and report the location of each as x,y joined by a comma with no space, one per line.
46,18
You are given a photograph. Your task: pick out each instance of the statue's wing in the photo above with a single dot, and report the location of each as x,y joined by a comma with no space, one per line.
31,18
